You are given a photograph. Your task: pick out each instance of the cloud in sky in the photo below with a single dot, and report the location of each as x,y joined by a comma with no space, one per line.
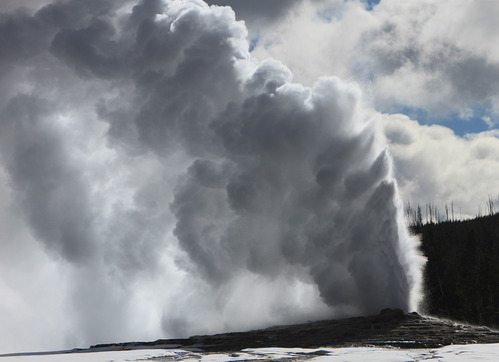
432,160
435,55
159,182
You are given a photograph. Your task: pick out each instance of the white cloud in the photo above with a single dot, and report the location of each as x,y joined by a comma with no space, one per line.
436,55
433,165
311,46
488,121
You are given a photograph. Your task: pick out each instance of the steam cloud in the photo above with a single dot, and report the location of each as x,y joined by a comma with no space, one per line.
181,186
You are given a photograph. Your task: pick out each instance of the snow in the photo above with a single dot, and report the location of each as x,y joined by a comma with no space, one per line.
455,353
105,356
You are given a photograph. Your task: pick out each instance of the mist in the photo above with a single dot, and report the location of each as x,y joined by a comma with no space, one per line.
159,182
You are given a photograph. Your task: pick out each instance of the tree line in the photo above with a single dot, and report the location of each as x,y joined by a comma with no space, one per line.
461,277
432,214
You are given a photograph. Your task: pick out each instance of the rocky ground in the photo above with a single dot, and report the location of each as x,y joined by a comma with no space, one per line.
390,328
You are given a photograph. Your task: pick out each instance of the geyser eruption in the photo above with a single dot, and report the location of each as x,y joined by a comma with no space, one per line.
181,186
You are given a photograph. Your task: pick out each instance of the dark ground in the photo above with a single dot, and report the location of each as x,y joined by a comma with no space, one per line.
390,328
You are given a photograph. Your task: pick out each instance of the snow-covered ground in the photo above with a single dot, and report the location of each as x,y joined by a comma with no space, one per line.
481,352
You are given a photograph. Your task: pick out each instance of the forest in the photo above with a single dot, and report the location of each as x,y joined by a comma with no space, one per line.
461,277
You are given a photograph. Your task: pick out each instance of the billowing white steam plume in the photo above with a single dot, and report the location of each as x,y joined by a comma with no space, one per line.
180,186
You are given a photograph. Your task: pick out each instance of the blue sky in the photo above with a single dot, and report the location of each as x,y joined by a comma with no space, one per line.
461,126
371,3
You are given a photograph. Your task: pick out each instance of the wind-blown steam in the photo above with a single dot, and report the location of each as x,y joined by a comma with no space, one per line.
176,180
